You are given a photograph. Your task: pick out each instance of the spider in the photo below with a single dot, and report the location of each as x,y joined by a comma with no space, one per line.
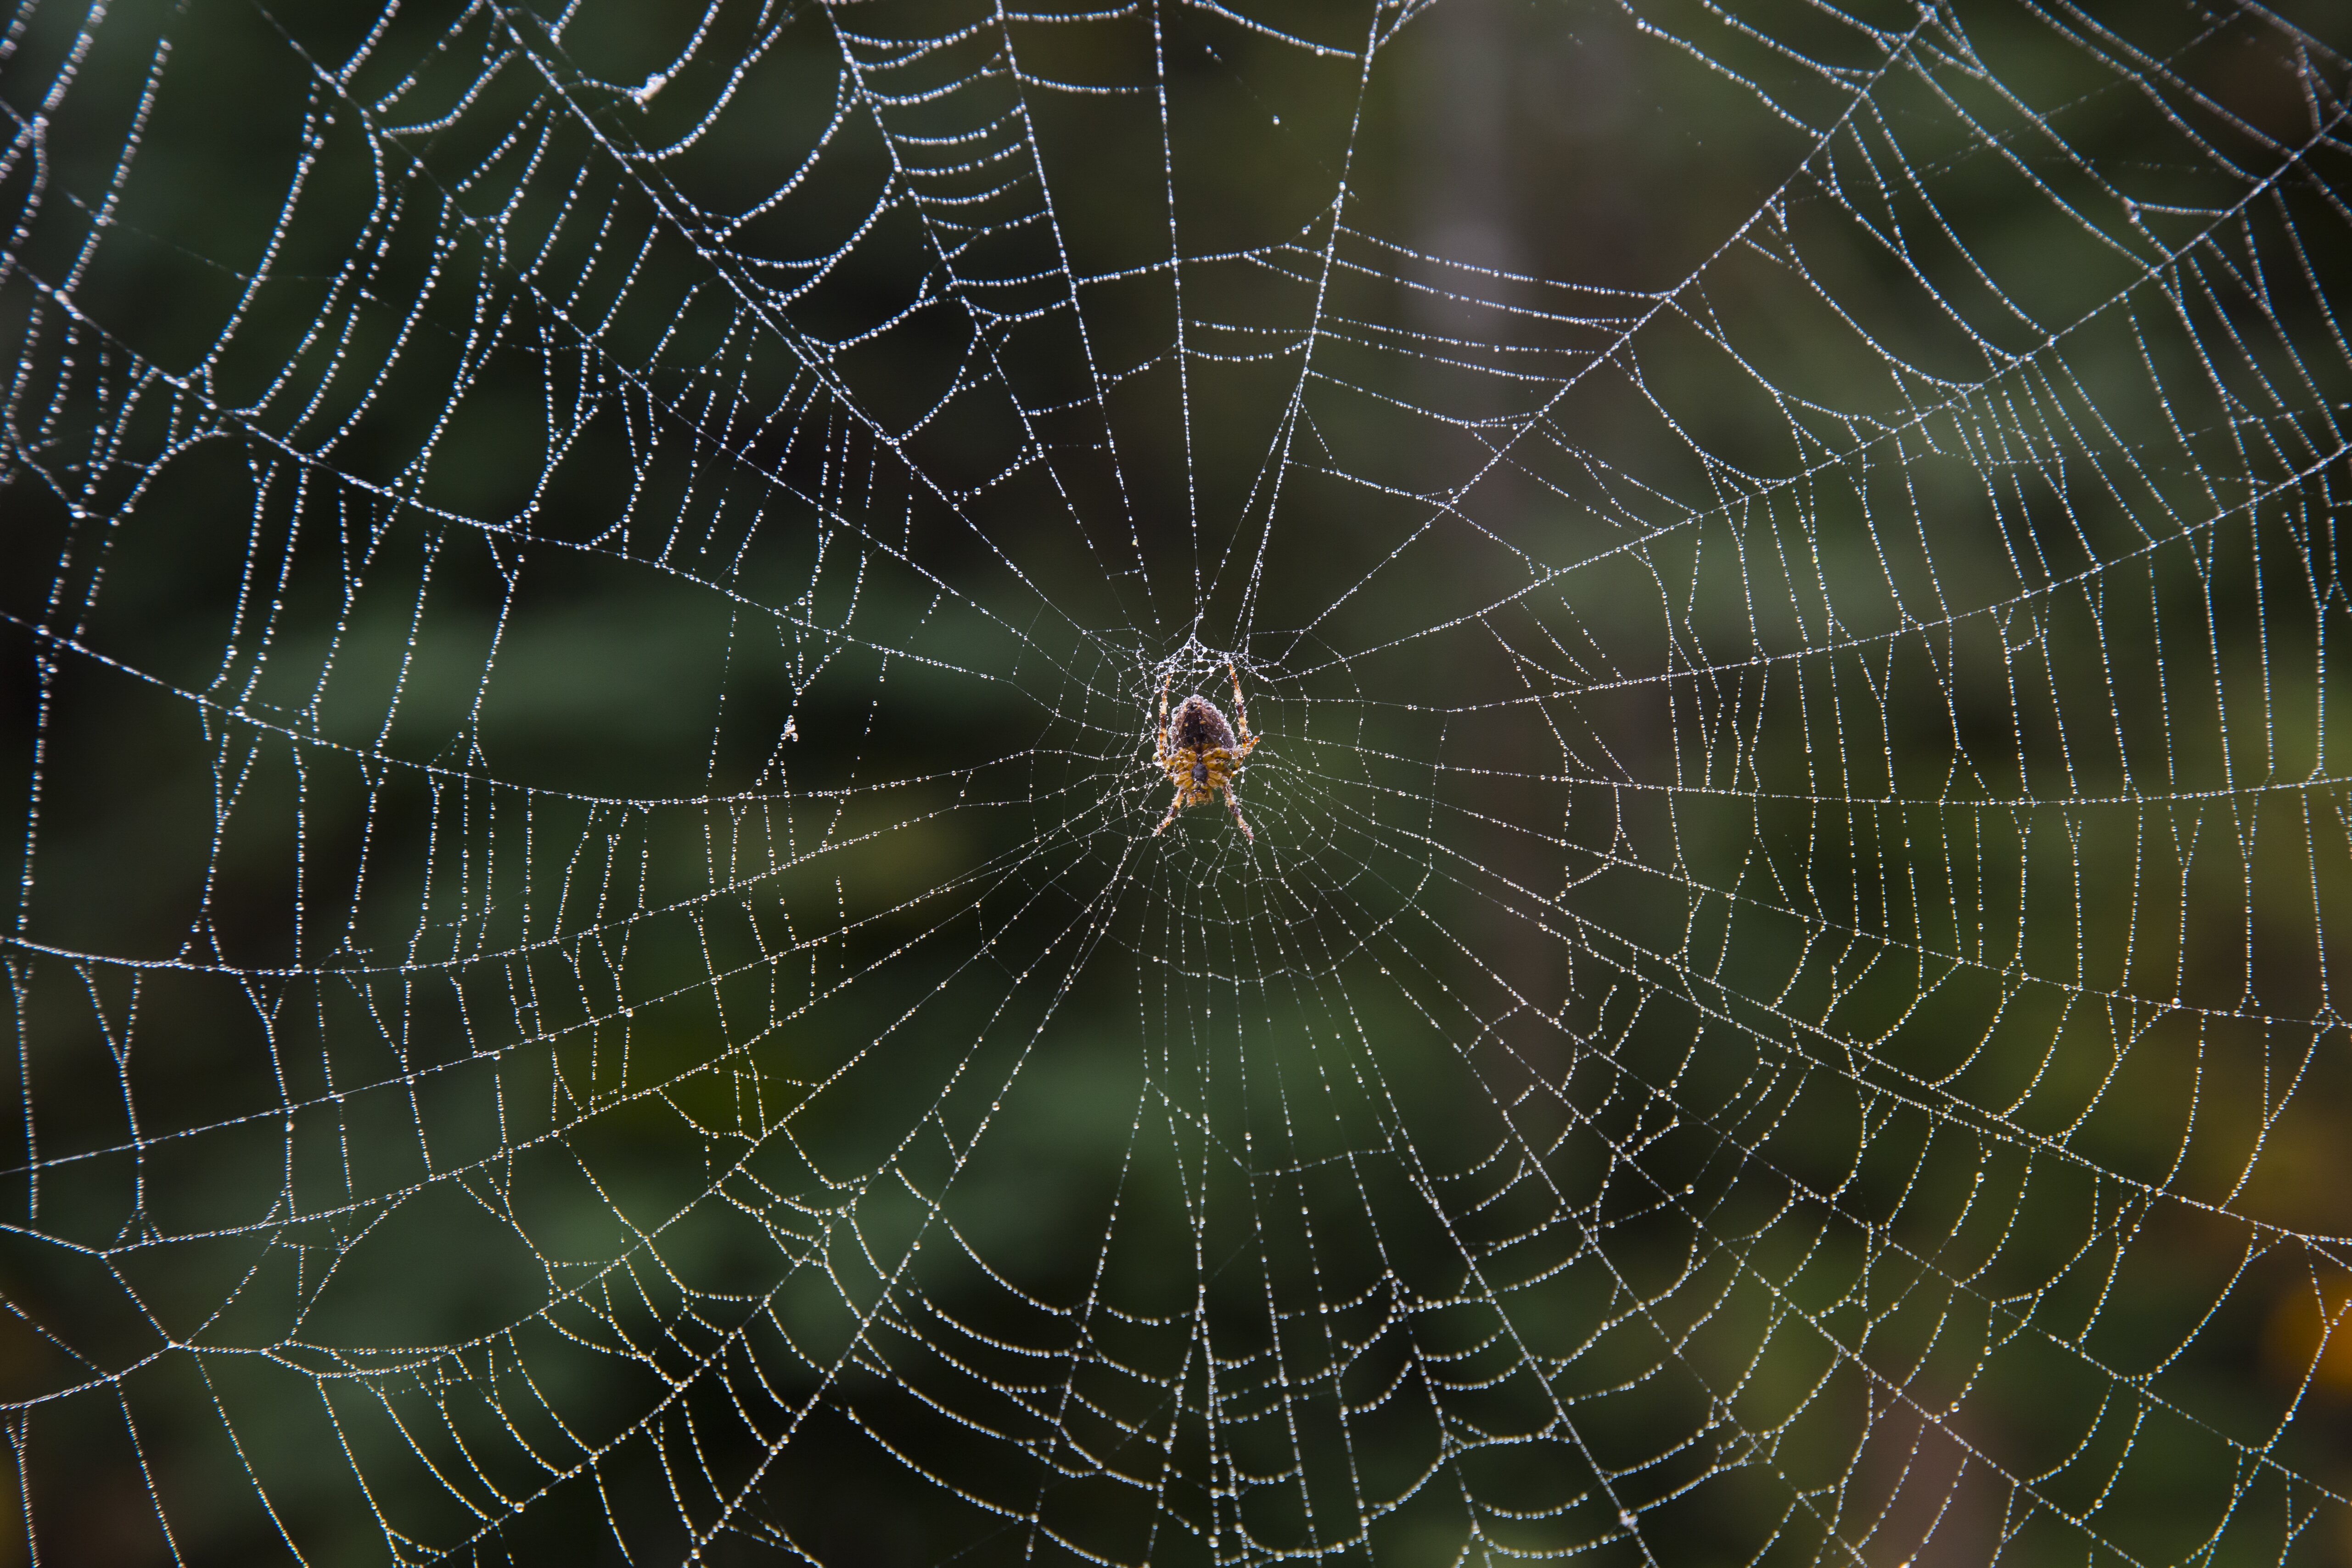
1199,751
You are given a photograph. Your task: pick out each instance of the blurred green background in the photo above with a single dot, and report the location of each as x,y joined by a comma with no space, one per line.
586,591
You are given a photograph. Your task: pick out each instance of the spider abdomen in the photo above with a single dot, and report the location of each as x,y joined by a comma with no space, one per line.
1199,727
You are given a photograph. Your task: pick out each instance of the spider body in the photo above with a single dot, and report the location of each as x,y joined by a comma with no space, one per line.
1201,753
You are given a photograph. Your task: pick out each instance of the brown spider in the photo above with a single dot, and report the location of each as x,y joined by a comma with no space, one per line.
1198,750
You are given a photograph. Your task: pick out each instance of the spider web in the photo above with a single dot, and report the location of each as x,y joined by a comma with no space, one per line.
590,979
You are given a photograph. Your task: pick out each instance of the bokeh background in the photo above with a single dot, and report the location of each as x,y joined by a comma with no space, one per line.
585,593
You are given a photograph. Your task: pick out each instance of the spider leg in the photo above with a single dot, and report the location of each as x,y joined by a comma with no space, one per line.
1173,807
1235,807
1160,738
1241,710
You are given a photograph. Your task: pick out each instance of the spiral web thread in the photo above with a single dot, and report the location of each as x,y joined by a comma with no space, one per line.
590,978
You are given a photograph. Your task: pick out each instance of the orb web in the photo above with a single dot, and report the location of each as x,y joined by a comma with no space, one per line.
590,977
